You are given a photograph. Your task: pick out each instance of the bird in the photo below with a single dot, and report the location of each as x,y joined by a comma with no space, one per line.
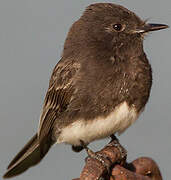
98,88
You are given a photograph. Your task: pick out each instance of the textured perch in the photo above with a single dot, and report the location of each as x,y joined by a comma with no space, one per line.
140,169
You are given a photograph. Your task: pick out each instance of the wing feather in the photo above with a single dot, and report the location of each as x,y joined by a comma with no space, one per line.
58,95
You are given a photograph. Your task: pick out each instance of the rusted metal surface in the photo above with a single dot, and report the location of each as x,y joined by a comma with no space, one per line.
140,169
147,167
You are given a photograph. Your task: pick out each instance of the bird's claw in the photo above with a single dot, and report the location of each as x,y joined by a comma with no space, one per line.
115,142
104,160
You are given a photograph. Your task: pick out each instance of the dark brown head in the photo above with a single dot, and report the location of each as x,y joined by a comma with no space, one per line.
106,26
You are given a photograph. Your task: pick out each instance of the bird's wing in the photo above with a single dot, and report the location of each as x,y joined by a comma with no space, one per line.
58,95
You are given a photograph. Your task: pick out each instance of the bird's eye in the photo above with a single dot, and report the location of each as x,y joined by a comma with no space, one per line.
117,27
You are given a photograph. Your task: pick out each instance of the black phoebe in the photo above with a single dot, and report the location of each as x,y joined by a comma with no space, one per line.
98,88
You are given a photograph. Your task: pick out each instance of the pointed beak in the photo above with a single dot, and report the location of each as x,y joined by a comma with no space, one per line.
151,27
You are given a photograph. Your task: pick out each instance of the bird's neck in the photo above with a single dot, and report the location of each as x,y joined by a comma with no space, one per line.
127,51
122,51
83,45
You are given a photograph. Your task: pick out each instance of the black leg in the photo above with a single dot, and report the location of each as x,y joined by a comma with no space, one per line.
77,148
114,138
115,142
89,151
96,156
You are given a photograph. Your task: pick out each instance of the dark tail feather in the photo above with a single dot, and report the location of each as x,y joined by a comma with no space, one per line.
29,156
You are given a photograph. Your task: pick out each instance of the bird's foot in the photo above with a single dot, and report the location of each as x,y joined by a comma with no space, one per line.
101,158
77,148
115,142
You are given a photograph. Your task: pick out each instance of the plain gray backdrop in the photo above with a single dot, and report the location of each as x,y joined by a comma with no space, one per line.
32,34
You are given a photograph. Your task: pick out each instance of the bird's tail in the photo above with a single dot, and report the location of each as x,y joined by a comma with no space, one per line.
30,155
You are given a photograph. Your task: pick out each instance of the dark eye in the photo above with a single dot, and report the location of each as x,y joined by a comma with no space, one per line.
117,27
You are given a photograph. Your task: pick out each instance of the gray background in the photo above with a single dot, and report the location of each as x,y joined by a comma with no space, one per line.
32,34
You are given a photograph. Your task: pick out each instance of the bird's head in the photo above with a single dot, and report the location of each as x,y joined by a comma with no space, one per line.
109,26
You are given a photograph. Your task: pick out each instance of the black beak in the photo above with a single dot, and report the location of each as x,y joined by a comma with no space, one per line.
151,27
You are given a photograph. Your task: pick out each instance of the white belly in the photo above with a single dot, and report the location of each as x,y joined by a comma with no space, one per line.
117,121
